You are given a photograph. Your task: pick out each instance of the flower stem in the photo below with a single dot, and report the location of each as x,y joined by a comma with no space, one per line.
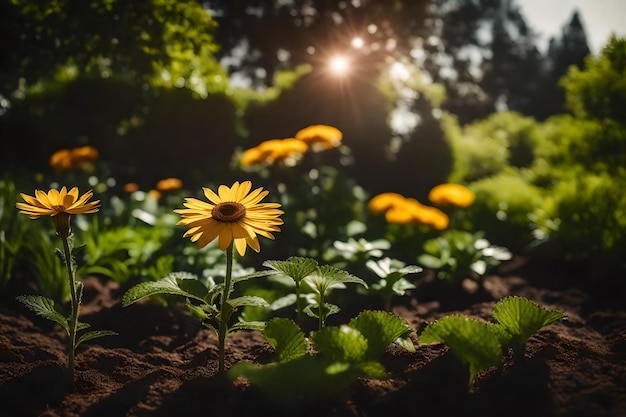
75,300
225,308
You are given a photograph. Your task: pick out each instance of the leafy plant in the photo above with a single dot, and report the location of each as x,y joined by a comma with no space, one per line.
322,281
203,300
392,282
60,206
343,354
458,254
480,345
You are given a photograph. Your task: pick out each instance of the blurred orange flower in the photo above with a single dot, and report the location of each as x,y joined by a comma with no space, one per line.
131,187
451,195
385,201
273,150
67,160
402,210
169,184
320,137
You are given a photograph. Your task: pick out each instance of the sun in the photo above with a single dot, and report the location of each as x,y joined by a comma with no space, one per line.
339,65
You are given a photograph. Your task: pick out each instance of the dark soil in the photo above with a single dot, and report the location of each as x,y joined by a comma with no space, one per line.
164,364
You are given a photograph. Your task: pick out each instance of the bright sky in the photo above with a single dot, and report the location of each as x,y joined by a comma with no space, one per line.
600,18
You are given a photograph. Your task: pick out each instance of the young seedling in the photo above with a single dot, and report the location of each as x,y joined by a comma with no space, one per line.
322,280
60,206
392,281
343,354
297,269
479,344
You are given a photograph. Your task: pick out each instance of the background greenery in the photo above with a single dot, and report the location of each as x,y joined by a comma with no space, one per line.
180,88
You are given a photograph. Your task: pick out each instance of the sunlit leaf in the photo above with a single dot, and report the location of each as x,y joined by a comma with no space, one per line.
93,335
44,307
344,343
166,285
248,300
297,268
287,339
472,341
380,328
522,318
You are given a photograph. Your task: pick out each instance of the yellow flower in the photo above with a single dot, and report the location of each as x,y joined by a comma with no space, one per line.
383,202
320,137
451,195
84,154
273,150
234,215
169,184
60,205
431,216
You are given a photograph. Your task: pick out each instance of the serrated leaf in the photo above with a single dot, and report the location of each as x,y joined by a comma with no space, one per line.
344,343
94,335
248,325
44,307
248,300
197,311
82,326
327,276
287,339
401,286
473,342
297,268
380,328
522,318
166,285
256,274
312,310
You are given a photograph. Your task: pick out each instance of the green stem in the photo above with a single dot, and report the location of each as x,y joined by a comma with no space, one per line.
225,308
298,305
321,311
75,299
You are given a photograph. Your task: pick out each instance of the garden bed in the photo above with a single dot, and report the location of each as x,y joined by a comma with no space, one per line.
163,363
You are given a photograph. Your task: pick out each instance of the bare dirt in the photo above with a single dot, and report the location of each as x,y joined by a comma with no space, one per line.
164,364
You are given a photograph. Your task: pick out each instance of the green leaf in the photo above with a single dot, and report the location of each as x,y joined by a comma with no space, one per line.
166,285
297,268
373,370
93,335
248,300
44,307
247,325
299,382
287,339
282,302
327,276
380,328
473,342
312,310
344,343
430,261
256,274
522,318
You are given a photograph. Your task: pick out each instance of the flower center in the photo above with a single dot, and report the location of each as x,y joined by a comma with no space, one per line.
228,212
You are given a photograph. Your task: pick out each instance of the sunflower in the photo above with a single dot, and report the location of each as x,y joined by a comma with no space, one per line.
60,205
233,214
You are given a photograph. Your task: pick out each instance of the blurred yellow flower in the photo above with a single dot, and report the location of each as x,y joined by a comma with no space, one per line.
169,184
233,215
155,194
84,154
273,150
451,195
60,205
431,216
384,201
402,210
320,137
